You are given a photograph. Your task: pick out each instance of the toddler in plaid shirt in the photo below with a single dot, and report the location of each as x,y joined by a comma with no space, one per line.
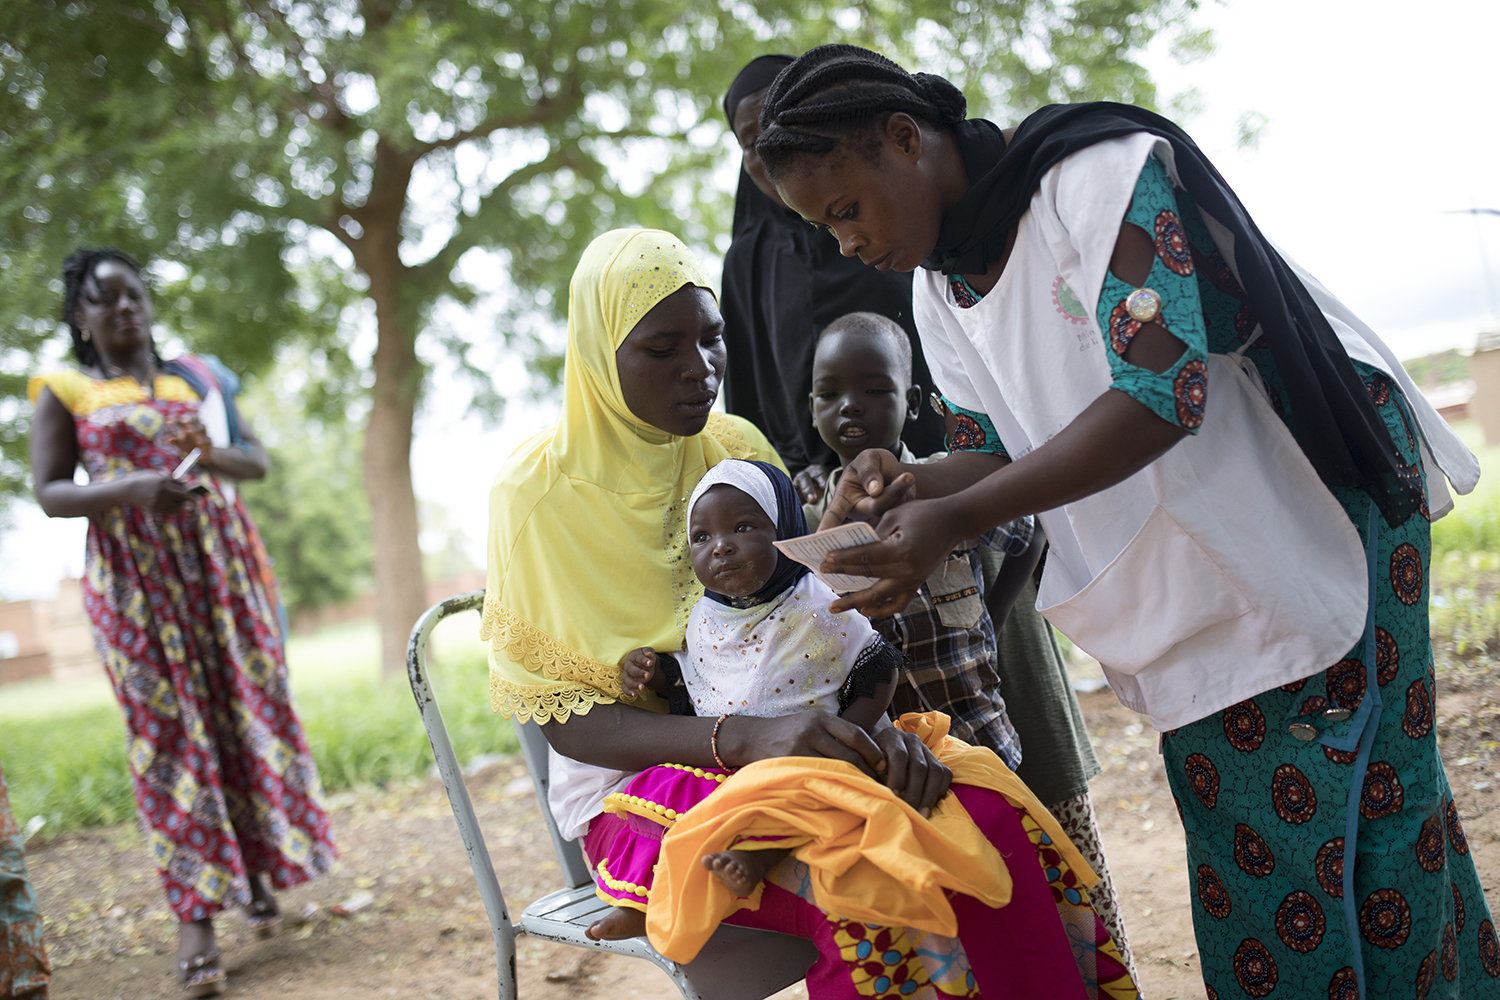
862,397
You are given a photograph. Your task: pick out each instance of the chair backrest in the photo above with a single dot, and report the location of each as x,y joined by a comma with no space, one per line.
458,792
575,869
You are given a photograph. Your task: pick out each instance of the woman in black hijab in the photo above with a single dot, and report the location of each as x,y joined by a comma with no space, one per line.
783,283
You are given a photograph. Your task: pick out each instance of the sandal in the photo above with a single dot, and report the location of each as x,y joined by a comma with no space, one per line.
264,917
198,979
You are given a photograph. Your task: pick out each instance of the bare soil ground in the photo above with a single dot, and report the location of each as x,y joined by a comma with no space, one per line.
425,935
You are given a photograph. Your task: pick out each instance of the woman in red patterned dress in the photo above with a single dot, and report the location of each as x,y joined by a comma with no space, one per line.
183,611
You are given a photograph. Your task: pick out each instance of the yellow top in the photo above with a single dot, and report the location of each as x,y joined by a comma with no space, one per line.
82,394
871,857
588,520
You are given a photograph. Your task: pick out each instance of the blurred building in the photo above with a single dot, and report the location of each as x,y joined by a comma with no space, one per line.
1484,368
47,638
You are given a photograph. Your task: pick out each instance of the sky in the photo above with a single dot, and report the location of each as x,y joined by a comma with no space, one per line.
1375,128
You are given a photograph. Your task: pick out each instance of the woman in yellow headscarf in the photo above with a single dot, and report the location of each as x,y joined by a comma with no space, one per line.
588,561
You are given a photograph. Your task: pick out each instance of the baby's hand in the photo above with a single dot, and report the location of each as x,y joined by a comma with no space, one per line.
637,670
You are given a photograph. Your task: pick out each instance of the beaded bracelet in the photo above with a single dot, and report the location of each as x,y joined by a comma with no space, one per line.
713,743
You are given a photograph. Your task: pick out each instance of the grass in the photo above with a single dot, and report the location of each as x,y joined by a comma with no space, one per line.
63,747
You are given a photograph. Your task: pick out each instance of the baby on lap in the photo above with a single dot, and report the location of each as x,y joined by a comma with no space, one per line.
760,642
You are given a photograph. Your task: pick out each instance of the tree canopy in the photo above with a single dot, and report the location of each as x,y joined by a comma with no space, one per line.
298,168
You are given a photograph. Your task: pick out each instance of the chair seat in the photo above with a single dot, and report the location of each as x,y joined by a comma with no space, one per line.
737,963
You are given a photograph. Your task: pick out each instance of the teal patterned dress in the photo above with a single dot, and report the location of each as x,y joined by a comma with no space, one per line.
24,969
1277,906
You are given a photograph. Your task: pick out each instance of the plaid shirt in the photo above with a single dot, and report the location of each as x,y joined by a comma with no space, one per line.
948,641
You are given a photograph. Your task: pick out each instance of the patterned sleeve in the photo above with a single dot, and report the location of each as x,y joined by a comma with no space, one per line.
975,432
1177,395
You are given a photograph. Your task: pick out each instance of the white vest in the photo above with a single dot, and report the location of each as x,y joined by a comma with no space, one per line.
1223,569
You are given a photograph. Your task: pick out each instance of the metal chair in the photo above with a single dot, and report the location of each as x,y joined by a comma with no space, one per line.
736,964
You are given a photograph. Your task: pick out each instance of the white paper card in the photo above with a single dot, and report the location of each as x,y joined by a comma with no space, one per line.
809,550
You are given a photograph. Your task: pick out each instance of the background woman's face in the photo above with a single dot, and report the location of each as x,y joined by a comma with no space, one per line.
672,362
746,127
883,210
115,308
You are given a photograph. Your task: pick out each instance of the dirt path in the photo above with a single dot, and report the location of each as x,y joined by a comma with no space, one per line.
425,934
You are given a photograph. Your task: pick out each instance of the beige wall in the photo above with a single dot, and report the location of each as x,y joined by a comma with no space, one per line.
1484,368
24,624
74,654
54,638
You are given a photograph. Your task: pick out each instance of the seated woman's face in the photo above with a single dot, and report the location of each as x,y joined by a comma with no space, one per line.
671,363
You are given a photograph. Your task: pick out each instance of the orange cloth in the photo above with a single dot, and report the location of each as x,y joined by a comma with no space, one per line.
873,858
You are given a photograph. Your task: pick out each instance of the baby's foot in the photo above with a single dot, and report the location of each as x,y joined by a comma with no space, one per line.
620,923
742,871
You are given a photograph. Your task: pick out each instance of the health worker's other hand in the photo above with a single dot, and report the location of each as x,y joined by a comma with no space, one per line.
806,734
915,538
871,485
637,670
811,483
913,772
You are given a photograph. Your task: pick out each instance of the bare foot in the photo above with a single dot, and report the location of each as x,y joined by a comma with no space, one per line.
620,923
742,871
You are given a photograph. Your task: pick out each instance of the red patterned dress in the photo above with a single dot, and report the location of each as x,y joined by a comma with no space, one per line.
186,624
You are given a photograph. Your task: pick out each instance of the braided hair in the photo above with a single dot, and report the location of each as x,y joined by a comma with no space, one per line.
835,93
78,268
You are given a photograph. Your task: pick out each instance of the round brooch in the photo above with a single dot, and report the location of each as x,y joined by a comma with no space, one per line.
1143,304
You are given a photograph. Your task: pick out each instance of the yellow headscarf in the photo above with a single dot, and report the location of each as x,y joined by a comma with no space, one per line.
588,521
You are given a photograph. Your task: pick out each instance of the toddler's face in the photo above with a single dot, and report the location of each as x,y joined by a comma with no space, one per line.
729,537
860,397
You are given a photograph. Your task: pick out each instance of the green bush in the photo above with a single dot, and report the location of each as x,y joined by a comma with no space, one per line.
70,768
1472,527
1465,614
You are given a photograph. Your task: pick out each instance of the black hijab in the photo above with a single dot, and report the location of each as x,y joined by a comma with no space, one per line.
758,74
1336,423
784,281
790,523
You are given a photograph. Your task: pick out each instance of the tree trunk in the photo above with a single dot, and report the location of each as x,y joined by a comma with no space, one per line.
400,591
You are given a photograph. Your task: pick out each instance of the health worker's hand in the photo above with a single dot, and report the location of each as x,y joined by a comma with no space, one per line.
915,538
871,485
